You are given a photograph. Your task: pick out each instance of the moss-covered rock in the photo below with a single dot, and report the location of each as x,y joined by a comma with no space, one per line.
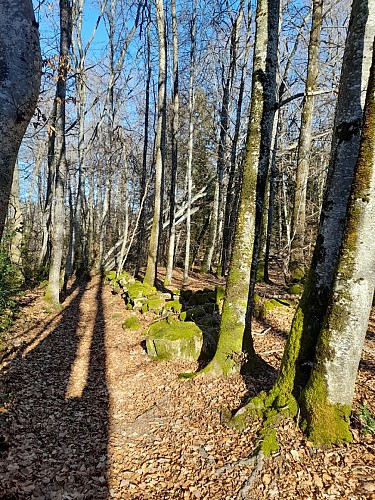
173,305
137,290
154,303
174,339
131,323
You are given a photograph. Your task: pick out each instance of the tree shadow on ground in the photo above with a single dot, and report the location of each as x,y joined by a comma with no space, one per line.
57,445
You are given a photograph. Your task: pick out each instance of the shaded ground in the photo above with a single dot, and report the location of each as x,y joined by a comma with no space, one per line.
86,415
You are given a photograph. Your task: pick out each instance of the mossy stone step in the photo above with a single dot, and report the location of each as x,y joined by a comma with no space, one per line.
174,339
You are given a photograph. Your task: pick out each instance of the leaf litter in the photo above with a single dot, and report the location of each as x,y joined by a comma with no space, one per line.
84,414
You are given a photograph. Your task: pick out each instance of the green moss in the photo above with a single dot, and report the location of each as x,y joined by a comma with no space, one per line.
131,323
268,443
110,275
219,297
295,289
173,305
49,300
324,422
137,290
172,339
298,274
182,316
155,304
260,272
257,299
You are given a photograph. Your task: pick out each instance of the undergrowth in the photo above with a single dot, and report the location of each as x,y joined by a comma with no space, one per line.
10,287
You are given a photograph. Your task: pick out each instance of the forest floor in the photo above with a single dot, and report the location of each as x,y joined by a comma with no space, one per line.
84,414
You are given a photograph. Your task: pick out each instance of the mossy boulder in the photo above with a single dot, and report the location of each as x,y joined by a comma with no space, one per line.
137,290
174,339
154,303
131,323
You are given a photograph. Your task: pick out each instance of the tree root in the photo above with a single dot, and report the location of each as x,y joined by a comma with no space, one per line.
259,461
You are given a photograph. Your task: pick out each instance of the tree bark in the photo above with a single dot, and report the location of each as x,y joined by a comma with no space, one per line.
175,126
20,73
151,270
297,260
328,396
228,357
300,350
59,157
189,181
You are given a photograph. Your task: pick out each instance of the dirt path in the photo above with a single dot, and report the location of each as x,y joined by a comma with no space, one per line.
87,416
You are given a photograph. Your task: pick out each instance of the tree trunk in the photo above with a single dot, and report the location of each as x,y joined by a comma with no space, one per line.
20,73
328,396
230,211
59,157
300,350
175,119
151,270
142,215
297,260
189,182
15,220
228,357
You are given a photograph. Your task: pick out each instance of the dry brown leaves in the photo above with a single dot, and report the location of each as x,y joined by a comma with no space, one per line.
86,415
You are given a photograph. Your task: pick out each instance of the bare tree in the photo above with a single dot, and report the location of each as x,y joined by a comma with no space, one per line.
151,270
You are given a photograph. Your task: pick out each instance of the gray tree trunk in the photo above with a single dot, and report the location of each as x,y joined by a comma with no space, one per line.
327,399
151,270
175,121
20,73
189,164
228,356
59,157
297,261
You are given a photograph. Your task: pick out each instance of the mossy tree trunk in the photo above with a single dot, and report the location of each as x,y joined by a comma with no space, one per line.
228,357
300,350
297,261
328,396
20,72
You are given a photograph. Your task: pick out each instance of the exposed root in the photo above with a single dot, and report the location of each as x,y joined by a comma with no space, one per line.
259,460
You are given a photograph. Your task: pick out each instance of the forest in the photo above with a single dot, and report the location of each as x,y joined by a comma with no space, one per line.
187,262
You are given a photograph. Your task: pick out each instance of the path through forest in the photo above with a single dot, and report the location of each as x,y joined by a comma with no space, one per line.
86,415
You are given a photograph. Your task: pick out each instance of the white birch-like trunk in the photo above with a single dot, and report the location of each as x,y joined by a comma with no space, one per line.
15,219
20,73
